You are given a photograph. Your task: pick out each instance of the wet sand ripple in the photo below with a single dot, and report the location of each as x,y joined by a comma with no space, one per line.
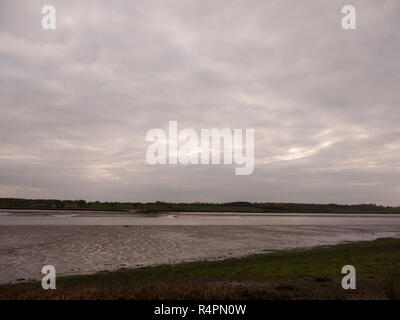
88,249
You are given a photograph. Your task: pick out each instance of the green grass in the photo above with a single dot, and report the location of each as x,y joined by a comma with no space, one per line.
308,274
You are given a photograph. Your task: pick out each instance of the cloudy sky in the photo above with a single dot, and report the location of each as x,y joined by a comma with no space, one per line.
76,103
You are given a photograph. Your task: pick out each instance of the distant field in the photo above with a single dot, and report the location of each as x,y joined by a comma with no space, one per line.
307,274
11,203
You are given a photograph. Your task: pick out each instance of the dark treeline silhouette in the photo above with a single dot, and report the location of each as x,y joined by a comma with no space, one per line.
52,204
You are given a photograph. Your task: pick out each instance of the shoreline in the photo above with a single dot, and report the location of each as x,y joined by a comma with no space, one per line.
292,274
203,213
160,206
87,249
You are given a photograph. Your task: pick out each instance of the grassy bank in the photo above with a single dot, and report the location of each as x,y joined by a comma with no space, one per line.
308,274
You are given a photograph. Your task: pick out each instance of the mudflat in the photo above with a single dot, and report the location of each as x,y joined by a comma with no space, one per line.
85,249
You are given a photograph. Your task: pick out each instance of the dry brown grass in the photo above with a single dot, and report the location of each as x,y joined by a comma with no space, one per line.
161,291
179,291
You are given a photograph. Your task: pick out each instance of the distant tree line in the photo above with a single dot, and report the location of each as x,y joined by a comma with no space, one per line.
53,204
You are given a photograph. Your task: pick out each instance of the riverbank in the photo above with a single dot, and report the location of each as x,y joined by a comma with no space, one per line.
238,206
299,274
134,242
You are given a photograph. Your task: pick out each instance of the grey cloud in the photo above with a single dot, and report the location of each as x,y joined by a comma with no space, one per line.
76,103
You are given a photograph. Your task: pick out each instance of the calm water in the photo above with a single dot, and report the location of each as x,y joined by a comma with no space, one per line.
48,217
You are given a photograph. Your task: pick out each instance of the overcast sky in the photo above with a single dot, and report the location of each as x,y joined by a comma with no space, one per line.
76,103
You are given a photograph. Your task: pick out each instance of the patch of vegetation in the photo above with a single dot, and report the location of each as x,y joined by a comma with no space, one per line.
305,274
50,204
